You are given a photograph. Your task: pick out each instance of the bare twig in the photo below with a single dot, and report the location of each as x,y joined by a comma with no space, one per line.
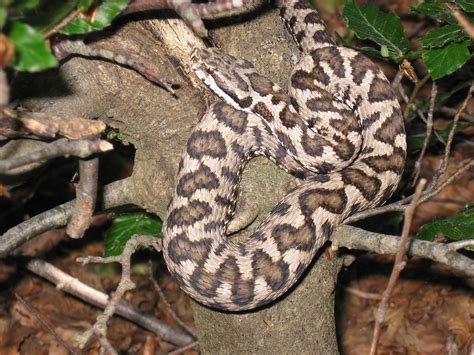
402,204
61,24
444,163
463,21
4,90
452,112
461,244
184,348
429,129
168,306
99,299
20,124
114,194
418,111
149,71
414,93
359,239
86,195
125,283
59,148
362,294
398,266
45,324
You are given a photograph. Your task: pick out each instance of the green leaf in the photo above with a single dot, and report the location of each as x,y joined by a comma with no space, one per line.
466,5
108,10
126,226
32,54
441,36
446,60
436,10
46,15
84,5
384,29
105,14
454,228
79,25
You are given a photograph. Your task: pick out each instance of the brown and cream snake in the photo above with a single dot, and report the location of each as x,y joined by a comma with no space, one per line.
339,128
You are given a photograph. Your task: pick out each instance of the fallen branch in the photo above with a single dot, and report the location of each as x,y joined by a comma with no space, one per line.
59,148
73,286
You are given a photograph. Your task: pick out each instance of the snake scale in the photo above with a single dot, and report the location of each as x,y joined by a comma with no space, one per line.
339,128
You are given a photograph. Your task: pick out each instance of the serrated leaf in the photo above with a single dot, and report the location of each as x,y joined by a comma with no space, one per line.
441,36
386,29
454,228
466,5
32,54
126,226
106,12
443,61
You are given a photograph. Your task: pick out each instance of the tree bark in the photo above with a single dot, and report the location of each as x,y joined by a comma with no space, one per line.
158,125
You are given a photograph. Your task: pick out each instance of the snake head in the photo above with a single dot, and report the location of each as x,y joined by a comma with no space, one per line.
224,75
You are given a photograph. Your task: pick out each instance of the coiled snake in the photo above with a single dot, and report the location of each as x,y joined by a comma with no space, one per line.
339,127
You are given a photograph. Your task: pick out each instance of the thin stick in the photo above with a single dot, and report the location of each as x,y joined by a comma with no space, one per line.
184,348
429,129
168,306
461,244
413,95
62,147
444,163
73,286
362,294
45,324
397,267
463,21
125,284
402,204
86,195
61,24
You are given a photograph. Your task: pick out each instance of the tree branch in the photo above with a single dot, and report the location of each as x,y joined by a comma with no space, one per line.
359,239
59,148
114,194
90,295
86,195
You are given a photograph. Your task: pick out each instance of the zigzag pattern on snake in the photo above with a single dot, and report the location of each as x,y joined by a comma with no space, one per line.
339,128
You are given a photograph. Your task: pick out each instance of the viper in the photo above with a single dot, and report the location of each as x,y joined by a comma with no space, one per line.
338,127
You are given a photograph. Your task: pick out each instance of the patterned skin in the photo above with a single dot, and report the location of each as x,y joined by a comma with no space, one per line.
339,128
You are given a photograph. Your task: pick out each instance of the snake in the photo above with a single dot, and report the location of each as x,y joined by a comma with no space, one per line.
338,127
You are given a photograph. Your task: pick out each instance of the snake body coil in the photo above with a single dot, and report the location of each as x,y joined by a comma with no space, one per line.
339,127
